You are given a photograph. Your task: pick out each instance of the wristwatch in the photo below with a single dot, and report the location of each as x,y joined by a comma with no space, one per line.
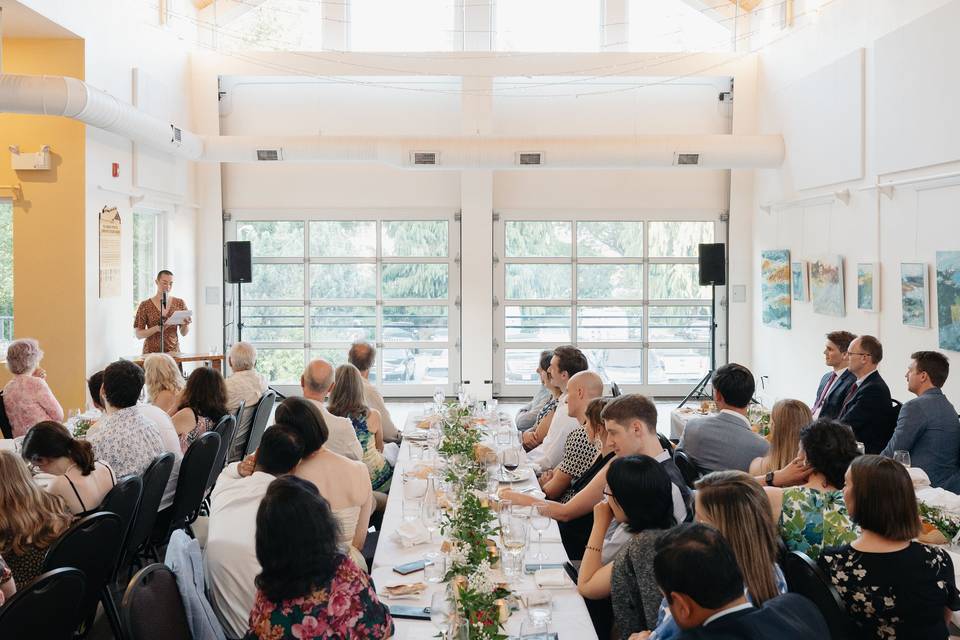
769,478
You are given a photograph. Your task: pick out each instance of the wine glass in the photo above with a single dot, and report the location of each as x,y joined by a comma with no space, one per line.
534,629
430,512
540,521
440,611
514,539
438,397
510,460
902,456
503,438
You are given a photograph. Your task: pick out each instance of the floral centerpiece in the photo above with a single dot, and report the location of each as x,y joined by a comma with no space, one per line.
469,528
935,518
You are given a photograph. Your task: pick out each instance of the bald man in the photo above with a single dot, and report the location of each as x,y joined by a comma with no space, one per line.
317,383
565,365
579,452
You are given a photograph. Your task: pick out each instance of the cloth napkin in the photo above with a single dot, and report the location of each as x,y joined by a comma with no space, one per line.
551,578
410,534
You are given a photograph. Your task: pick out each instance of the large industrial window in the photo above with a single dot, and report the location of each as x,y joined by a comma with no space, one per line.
147,252
624,289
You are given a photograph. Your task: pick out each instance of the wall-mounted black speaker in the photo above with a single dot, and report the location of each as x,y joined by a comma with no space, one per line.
236,260
713,264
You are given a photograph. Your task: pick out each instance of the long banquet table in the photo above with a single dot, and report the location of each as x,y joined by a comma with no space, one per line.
570,617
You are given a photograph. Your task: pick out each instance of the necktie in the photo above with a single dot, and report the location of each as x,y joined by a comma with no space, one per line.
850,394
826,390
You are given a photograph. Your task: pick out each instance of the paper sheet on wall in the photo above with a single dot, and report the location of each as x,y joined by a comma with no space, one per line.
109,223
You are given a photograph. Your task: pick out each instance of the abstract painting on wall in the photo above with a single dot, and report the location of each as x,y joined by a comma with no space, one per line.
826,286
948,299
914,295
800,281
775,288
868,286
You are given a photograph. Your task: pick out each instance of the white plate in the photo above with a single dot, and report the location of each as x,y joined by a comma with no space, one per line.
520,475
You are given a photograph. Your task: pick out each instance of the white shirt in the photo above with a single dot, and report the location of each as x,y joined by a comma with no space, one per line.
342,438
247,386
373,399
230,555
550,451
859,382
171,443
720,614
742,417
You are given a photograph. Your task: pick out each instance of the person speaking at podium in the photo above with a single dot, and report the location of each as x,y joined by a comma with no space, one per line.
166,308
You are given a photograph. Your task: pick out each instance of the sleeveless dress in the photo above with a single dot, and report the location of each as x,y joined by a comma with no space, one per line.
381,471
84,511
203,425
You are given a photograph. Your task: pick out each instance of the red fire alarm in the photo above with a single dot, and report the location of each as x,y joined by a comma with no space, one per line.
115,169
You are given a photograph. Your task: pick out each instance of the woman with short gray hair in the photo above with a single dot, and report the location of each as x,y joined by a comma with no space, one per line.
27,399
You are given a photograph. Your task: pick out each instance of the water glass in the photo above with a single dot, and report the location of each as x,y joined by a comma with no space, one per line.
441,610
416,451
430,514
514,539
504,515
434,567
411,509
539,605
531,629
902,456
503,438
540,522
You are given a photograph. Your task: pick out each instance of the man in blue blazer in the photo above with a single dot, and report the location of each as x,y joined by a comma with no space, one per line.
834,384
867,407
928,426
696,570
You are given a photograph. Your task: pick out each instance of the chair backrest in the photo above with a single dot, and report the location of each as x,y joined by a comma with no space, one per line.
227,427
92,545
152,607
665,443
260,417
5,427
155,478
192,482
614,389
48,607
124,500
688,470
805,578
244,417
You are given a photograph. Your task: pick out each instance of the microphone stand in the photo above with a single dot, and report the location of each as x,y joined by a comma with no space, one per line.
163,304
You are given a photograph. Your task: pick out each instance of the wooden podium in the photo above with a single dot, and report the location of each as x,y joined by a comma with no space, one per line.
214,360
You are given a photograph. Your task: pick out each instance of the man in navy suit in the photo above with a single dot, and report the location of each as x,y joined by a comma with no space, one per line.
696,570
835,384
867,407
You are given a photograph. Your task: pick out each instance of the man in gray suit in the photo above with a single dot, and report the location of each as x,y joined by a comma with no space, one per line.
725,440
928,426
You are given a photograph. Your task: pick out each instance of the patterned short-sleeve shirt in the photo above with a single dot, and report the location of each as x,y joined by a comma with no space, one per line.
578,454
148,315
127,441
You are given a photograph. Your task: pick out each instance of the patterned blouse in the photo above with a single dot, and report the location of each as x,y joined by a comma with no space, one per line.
27,565
578,454
127,441
203,425
347,607
381,471
148,315
28,400
901,594
5,575
550,407
811,520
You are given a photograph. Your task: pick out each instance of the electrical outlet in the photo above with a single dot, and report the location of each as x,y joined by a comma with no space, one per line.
738,293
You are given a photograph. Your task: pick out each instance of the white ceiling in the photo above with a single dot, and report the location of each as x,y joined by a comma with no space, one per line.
19,21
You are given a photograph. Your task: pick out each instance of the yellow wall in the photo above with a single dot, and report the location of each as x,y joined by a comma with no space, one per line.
48,224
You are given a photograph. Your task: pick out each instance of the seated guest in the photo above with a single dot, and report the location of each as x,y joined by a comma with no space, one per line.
243,385
317,382
928,426
125,439
363,356
567,362
163,380
698,573
533,436
619,554
346,401
867,406
80,481
813,515
736,505
308,588
30,519
527,414
786,419
171,443
725,440
585,446
892,586
26,398
835,384
631,422
94,387
202,404
343,482
8,586
229,555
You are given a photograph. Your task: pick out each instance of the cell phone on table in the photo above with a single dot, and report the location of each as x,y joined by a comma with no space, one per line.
410,567
409,612
530,569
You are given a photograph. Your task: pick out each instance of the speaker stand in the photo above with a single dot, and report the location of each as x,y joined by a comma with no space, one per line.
239,311
699,390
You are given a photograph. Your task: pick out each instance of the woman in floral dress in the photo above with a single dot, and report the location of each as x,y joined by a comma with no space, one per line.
346,401
307,587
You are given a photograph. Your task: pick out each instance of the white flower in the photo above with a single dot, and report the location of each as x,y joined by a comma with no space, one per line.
459,553
480,580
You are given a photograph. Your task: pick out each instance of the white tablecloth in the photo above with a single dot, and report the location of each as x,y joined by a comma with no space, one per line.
570,617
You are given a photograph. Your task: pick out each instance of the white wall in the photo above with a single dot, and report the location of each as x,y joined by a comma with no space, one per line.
914,224
118,37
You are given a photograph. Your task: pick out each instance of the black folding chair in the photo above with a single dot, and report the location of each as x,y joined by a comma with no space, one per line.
92,545
260,417
48,607
805,578
155,478
191,488
227,427
665,443
152,609
235,452
687,468
123,500
614,389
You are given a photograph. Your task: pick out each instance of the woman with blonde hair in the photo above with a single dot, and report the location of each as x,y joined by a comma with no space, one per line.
26,398
163,381
30,519
346,401
786,420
